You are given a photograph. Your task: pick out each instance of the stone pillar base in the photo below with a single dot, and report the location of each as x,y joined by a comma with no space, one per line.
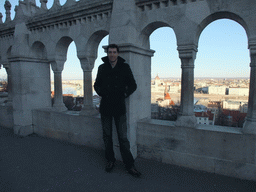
249,127
59,107
186,121
23,130
89,111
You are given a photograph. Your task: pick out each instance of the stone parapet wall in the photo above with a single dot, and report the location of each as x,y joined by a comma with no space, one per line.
72,127
220,150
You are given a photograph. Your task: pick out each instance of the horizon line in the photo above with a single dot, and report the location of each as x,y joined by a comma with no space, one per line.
178,78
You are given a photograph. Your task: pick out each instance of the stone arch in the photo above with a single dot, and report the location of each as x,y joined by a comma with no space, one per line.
62,47
94,41
148,30
87,51
220,15
38,50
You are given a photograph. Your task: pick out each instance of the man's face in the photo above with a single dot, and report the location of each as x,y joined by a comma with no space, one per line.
112,54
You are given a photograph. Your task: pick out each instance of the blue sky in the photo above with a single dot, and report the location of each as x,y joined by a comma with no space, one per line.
222,51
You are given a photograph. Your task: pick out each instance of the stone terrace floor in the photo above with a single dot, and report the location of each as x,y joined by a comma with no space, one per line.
36,164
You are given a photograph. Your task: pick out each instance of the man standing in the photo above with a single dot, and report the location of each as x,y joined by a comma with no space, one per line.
114,83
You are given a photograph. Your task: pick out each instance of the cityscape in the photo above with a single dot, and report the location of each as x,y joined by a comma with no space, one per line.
217,101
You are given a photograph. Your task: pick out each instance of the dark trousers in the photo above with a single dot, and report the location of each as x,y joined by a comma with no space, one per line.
121,127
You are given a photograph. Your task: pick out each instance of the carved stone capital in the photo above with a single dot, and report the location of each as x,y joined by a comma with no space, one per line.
87,63
57,65
187,51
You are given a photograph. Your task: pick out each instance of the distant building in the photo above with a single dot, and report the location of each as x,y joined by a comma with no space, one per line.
241,106
214,107
200,108
217,90
206,118
159,86
214,104
234,118
202,118
174,88
239,91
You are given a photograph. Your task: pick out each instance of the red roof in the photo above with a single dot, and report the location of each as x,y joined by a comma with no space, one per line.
68,95
171,102
167,96
157,78
201,114
236,115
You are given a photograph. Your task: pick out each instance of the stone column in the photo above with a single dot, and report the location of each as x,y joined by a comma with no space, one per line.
87,65
9,80
186,117
57,67
250,122
30,81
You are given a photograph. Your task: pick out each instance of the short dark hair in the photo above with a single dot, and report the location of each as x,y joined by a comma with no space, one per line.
113,46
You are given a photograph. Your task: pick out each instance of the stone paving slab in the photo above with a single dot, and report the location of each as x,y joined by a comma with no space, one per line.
38,164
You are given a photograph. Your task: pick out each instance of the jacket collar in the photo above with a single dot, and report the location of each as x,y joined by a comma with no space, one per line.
119,60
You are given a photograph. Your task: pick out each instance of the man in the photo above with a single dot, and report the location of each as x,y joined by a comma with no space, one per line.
114,83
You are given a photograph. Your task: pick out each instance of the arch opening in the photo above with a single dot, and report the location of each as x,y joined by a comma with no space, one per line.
165,73
222,74
221,15
72,74
148,30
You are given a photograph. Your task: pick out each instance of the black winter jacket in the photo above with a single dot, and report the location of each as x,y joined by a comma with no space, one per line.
114,85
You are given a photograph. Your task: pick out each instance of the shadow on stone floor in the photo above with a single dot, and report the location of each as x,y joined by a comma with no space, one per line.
35,163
